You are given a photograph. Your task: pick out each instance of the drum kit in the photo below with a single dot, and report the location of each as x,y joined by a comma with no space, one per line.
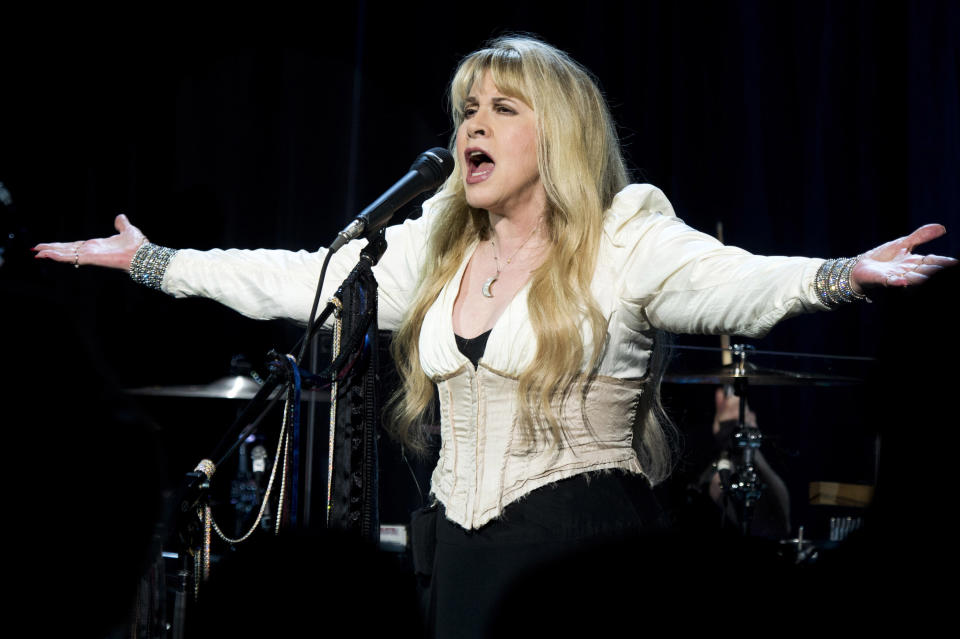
742,483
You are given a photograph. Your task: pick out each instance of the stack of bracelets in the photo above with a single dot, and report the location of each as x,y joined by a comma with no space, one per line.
832,283
150,263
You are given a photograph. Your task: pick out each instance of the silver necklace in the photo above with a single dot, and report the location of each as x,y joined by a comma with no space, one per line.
496,258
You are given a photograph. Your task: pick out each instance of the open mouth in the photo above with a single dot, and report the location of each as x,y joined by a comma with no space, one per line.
480,164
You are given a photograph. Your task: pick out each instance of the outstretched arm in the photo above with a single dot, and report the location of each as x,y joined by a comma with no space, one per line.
261,284
687,282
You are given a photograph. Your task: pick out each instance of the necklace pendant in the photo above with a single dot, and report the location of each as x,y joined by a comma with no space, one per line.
486,285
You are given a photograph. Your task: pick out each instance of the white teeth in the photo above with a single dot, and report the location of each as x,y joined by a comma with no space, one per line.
481,172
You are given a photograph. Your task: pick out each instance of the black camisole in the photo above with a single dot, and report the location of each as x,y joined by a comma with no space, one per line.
473,347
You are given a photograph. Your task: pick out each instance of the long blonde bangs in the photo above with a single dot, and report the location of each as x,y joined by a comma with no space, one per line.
582,169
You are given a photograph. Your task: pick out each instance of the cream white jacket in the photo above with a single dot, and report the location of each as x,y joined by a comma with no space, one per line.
653,272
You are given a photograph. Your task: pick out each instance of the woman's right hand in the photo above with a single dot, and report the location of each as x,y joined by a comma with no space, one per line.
115,251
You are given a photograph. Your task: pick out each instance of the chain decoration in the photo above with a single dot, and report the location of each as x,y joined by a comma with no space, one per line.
281,449
283,473
205,514
196,575
337,334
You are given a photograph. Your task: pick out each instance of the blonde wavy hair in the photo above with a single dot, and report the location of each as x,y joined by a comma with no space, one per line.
582,169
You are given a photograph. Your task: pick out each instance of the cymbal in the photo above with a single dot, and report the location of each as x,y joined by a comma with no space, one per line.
232,387
757,376
755,351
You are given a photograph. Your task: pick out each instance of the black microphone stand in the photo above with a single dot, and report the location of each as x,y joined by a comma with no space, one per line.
359,287
352,486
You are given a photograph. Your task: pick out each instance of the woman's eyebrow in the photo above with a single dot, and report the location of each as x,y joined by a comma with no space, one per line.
497,100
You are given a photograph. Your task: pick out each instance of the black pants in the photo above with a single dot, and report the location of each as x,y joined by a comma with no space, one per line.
478,574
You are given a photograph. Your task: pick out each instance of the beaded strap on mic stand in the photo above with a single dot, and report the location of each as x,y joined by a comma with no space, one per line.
204,513
201,559
337,335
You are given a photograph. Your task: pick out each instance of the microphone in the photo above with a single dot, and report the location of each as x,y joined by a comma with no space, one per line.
427,172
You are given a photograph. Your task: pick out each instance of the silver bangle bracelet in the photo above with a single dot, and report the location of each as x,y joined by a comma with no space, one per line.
149,264
832,282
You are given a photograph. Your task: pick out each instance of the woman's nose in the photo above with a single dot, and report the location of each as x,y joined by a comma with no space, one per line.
476,127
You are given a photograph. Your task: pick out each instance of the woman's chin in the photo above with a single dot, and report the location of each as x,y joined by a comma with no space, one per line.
477,201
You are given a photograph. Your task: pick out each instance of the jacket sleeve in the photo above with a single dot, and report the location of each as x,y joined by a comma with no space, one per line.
684,281
277,284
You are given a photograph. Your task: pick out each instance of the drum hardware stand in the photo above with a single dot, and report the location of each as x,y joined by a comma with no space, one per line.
804,550
743,485
737,472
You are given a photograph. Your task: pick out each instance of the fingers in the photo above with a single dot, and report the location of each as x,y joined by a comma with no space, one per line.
59,251
910,278
121,223
922,269
55,246
938,260
51,254
926,264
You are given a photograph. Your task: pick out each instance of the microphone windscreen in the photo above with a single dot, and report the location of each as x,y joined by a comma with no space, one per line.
435,164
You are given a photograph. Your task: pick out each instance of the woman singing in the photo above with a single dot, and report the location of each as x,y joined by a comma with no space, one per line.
529,296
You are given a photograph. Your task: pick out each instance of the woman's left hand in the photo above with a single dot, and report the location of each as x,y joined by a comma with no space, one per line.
895,263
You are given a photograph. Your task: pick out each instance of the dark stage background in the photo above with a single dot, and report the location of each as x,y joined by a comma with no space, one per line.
807,128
